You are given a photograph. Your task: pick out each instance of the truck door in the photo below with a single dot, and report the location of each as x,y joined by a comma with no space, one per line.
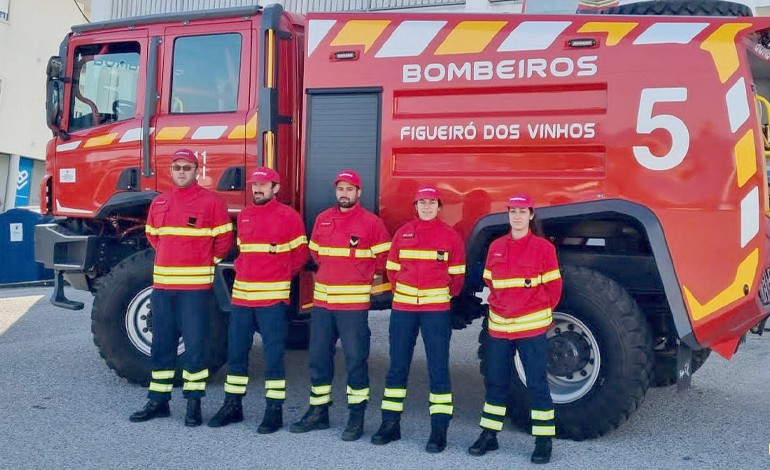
100,145
204,104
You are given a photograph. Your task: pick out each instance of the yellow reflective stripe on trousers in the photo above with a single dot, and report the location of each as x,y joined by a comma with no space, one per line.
395,393
441,409
321,389
392,266
275,384
532,321
543,430
220,229
194,377
440,398
494,409
237,379
356,396
163,374
235,389
430,255
392,406
322,400
380,248
163,388
542,415
276,394
459,269
198,386
491,424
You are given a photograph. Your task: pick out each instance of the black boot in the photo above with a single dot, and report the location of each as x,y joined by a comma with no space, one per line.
317,417
437,440
389,431
486,442
355,427
273,419
193,417
231,412
153,409
543,448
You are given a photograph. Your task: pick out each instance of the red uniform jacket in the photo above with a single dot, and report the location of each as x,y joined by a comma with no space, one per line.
525,285
273,249
191,231
349,248
426,265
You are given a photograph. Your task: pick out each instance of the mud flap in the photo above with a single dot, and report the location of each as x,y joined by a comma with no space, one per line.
683,367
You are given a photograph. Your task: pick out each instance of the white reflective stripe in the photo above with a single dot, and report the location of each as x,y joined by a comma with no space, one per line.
441,409
276,394
68,146
543,430
491,424
321,389
550,276
235,389
320,400
237,379
163,374
194,386
393,266
430,255
317,30
275,384
395,393
360,391
440,398
542,415
410,38
750,216
670,33
459,269
533,36
208,132
163,388
392,406
494,409
381,248
737,104
487,274
183,270
194,377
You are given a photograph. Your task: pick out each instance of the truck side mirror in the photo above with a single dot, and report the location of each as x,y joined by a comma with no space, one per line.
54,93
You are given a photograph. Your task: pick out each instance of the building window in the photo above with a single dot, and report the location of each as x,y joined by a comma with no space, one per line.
4,8
206,74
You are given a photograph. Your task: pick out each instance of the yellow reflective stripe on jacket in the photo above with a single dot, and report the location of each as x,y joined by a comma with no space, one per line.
392,266
262,286
279,290
313,245
550,276
182,280
487,274
269,295
531,321
380,288
271,248
409,290
183,270
342,252
340,298
431,255
517,282
381,248
408,299
220,229
411,295
458,269
184,231
150,229
337,289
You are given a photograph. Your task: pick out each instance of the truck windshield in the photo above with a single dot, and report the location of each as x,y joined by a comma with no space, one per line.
105,80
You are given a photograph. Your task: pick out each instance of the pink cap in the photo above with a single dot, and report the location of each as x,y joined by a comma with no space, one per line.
184,154
427,192
264,174
349,176
520,200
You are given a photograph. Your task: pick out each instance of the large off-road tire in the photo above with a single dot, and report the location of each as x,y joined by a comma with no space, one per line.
600,358
682,8
664,371
121,321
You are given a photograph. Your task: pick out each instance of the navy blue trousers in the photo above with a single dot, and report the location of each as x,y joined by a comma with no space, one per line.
178,313
351,327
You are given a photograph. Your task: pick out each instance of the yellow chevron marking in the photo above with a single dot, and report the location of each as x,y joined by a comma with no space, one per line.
100,140
470,37
360,32
172,133
616,31
721,45
743,276
249,131
745,161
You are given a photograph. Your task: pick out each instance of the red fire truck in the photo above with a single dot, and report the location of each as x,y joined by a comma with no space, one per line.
640,137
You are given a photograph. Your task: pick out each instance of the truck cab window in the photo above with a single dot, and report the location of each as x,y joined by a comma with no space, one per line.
206,71
104,84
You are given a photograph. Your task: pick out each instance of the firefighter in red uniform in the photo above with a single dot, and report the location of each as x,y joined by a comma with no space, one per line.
191,231
523,277
426,267
273,249
350,245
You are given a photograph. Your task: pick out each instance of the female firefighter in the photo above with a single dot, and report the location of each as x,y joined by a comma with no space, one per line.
426,267
523,277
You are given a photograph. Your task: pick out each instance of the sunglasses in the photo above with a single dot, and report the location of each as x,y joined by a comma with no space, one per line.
182,167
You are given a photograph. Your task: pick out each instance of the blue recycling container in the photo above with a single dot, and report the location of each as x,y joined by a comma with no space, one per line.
17,247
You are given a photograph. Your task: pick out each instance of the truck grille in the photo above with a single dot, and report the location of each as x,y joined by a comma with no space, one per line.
764,288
